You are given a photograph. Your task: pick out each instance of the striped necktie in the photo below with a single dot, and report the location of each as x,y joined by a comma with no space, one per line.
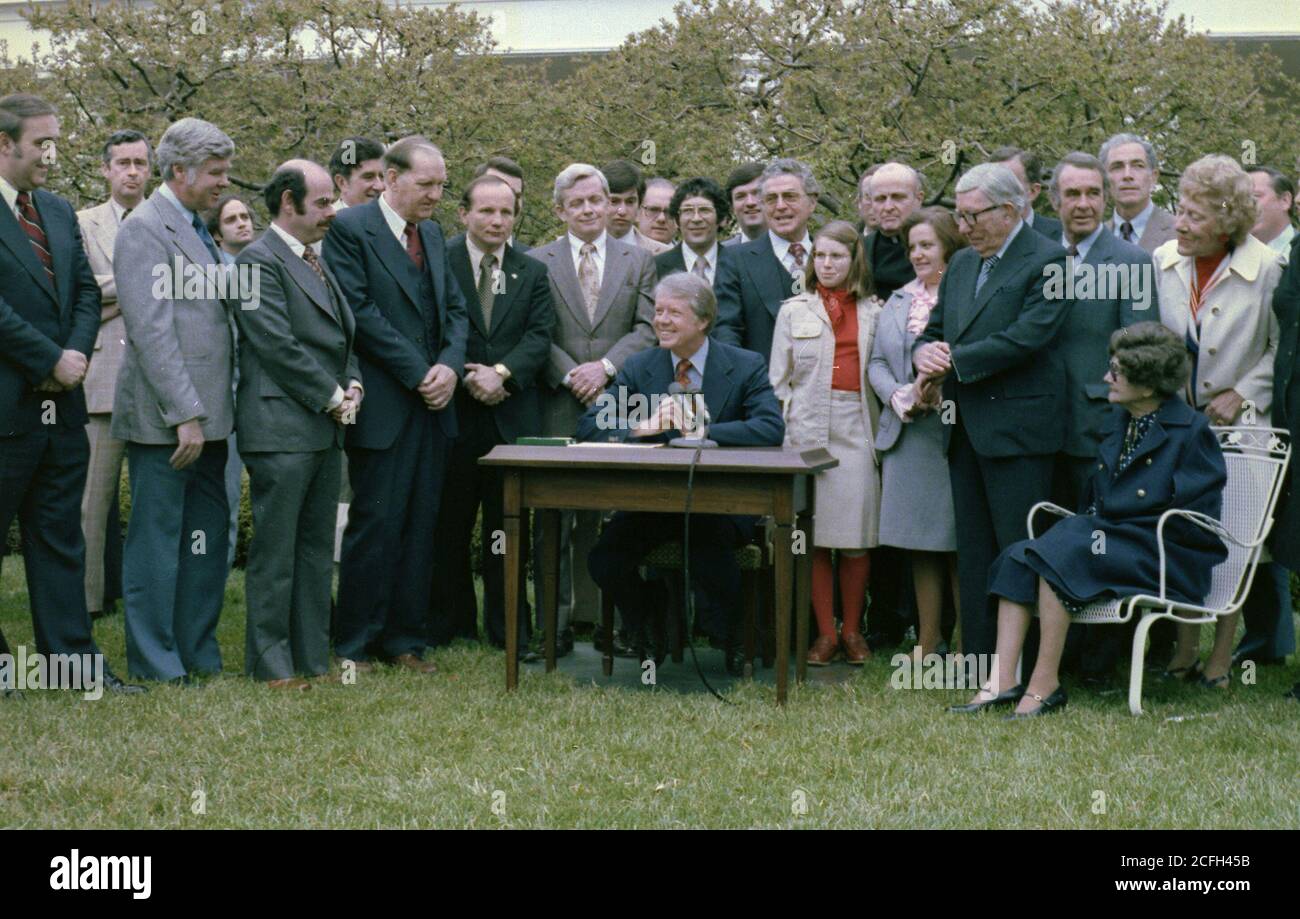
986,269
30,221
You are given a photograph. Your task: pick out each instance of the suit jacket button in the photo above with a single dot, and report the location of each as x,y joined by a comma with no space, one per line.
1215,311
1101,465
1142,492
1213,350
1148,461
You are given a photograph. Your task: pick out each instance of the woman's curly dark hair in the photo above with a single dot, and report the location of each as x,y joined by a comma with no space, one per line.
1151,355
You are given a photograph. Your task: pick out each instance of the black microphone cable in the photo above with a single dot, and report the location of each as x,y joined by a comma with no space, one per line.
688,598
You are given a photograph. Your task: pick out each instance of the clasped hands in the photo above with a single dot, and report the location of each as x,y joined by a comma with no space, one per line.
933,363
346,411
587,381
437,386
485,384
67,374
668,417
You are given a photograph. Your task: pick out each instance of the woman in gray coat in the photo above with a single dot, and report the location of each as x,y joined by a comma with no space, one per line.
916,510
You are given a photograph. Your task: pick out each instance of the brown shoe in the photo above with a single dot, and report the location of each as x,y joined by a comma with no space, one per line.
823,650
293,684
411,662
856,650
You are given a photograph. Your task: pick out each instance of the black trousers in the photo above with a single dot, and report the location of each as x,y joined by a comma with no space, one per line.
383,602
626,539
453,612
991,498
42,478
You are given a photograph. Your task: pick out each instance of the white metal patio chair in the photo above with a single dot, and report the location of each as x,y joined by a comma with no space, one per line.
1256,458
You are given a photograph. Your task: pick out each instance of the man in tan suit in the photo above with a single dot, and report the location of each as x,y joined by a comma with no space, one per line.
602,291
626,192
127,159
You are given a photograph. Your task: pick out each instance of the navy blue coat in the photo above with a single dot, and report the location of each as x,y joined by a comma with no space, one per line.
38,320
1009,379
750,284
736,392
1178,465
393,340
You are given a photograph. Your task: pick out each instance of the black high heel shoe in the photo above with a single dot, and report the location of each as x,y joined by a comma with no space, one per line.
1051,705
1190,674
1001,700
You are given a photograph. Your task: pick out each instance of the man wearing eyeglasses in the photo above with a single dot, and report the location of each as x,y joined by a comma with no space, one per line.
654,220
991,343
759,275
699,207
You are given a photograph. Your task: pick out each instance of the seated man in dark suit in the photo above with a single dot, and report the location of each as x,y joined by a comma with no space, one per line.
992,341
508,298
738,397
1029,171
699,207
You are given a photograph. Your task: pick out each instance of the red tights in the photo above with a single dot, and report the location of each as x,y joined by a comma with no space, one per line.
855,571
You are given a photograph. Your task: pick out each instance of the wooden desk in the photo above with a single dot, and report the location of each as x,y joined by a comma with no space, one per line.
765,481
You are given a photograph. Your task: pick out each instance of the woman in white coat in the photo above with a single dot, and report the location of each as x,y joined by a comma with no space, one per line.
1215,284
820,350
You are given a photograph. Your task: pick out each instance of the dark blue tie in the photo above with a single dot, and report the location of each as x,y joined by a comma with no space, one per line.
201,228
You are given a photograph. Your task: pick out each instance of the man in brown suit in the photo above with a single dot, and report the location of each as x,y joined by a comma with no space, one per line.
126,166
603,294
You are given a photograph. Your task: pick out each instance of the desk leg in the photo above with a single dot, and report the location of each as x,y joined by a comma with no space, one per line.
550,561
783,565
514,565
803,592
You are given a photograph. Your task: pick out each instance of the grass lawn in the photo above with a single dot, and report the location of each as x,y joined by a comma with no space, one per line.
453,750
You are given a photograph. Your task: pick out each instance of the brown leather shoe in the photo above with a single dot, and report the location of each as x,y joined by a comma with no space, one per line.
856,650
823,650
293,684
411,662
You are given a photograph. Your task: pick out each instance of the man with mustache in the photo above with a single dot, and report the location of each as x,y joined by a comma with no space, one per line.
299,387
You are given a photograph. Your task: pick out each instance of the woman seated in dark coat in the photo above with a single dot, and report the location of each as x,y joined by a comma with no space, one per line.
1157,454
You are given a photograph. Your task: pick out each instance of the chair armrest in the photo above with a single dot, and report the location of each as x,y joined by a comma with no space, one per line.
1044,506
1205,522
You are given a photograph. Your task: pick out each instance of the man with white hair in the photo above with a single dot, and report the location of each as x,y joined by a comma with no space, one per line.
602,291
174,407
895,193
760,275
991,343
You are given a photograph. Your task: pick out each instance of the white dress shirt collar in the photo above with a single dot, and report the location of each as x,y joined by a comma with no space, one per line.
476,255
781,248
293,243
575,248
1139,222
1281,243
396,222
711,257
10,194
119,210
1084,245
1006,243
